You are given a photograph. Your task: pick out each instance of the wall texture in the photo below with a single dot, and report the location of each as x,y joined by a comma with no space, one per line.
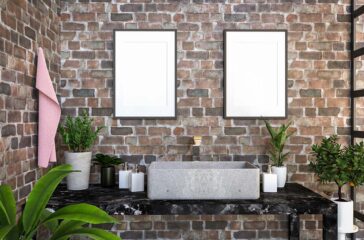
318,76
318,83
24,26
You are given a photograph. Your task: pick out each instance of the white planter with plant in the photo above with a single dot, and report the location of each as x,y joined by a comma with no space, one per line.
333,163
79,135
277,142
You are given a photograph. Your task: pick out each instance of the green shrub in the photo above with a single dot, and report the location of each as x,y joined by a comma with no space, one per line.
277,142
106,160
78,133
334,163
63,223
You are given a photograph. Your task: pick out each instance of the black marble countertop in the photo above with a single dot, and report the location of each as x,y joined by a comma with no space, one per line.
293,199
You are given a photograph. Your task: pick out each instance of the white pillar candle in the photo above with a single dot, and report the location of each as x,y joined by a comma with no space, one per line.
136,182
269,182
124,179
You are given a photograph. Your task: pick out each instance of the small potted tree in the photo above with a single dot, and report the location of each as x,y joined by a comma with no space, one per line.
277,155
332,163
107,164
79,135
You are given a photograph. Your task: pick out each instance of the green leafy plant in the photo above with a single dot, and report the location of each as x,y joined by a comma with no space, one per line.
106,160
330,164
354,154
78,133
278,140
63,223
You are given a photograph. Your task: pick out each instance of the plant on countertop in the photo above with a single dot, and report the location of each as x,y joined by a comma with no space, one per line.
63,223
355,156
278,140
78,133
107,163
333,163
106,160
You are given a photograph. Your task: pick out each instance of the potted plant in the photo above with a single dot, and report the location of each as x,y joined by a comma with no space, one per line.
79,135
107,164
68,221
278,140
332,163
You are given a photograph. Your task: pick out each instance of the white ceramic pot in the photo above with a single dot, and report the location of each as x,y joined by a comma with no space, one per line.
345,216
281,175
79,161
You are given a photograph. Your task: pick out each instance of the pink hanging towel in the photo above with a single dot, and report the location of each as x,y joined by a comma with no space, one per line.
49,114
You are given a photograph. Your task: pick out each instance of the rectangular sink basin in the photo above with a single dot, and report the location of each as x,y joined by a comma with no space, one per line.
203,180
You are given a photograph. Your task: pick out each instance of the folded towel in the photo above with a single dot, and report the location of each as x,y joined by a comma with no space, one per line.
48,116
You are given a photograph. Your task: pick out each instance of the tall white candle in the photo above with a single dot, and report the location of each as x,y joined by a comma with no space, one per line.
270,181
136,182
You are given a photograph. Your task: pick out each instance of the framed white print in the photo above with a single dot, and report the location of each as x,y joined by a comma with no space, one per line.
145,73
255,74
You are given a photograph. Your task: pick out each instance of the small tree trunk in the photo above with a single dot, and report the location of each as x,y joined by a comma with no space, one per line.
339,193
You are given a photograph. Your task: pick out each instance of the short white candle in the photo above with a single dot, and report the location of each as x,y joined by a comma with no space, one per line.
269,182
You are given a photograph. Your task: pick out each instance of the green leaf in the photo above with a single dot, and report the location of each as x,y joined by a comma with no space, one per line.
51,225
82,212
94,233
7,206
40,195
65,226
6,230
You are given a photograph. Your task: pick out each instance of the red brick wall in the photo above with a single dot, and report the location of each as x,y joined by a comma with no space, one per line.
214,227
318,76
24,26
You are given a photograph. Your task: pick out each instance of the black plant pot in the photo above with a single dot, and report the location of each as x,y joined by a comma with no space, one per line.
108,176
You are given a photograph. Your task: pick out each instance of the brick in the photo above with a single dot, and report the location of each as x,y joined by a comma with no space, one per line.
73,26
197,92
310,55
178,225
5,88
234,130
29,32
83,17
83,54
131,235
102,111
84,92
235,17
310,92
197,55
215,224
95,45
8,130
245,235
254,225
330,111
245,8
121,131
25,42
131,7
338,64
123,17
169,234
141,225
214,111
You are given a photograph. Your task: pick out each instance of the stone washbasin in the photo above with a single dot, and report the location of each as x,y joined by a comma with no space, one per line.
203,180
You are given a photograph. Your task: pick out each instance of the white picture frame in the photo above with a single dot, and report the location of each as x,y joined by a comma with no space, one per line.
145,73
255,74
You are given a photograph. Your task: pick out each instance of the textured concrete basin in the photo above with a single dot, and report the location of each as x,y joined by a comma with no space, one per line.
203,180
